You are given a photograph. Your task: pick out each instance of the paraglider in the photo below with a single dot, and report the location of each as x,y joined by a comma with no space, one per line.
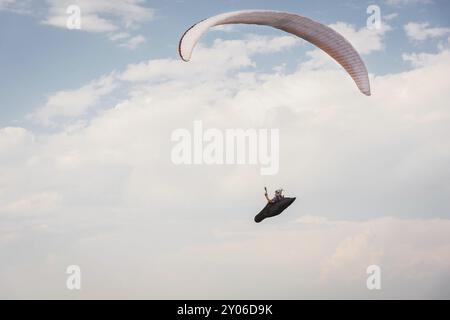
322,36
274,206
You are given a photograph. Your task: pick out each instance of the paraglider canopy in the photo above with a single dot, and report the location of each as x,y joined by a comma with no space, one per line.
316,33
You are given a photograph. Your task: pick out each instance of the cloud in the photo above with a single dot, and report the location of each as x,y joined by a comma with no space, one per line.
35,204
223,57
325,259
321,259
108,197
73,103
19,7
423,31
10,137
133,42
117,18
118,36
425,59
391,16
120,14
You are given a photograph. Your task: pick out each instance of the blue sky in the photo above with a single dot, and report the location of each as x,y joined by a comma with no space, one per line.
86,175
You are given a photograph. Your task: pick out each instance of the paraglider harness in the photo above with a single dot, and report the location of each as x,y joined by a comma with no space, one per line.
273,207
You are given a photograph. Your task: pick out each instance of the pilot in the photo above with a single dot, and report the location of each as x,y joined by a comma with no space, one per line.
278,196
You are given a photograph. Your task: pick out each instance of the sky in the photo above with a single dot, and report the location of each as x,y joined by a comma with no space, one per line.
86,177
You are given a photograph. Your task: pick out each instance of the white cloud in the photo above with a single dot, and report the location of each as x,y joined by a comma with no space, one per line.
237,261
20,7
35,204
223,57
113,202
117,17
74,103
90,23
425,59
323,259
10,137
390,16
118,36
133,42
423,31
128,13
126,40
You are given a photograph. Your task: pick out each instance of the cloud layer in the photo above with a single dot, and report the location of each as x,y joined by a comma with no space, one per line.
101,191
